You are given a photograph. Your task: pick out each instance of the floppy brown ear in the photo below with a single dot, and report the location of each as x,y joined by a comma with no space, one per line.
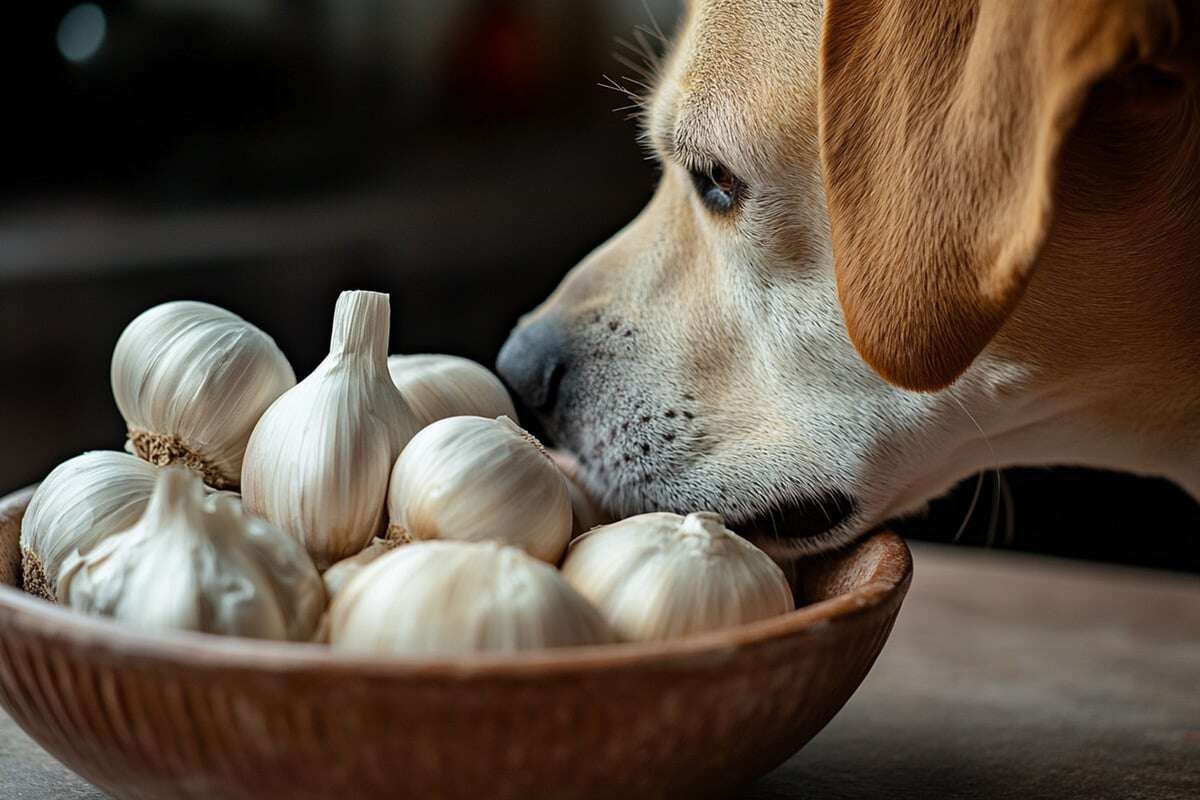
941,128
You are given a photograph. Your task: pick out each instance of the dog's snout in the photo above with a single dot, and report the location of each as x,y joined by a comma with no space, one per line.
533,362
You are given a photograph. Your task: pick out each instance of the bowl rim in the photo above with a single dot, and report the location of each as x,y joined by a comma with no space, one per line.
34,616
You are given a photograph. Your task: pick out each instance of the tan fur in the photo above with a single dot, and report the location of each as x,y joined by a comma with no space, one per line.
944,128
1014,190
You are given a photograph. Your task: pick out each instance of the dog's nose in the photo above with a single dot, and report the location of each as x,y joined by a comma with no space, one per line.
533,361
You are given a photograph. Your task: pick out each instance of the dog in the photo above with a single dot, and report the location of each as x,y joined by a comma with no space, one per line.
894,243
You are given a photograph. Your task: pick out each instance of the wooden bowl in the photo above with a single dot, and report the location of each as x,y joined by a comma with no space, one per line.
196,716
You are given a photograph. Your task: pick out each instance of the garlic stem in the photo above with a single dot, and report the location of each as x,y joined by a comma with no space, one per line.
179,494
361,326
318,461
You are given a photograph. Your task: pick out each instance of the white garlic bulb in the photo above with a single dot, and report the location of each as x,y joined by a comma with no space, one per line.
661,576
318,462
191,381
440,386
586,514
446,598
198,563
81,502
473,479
340,573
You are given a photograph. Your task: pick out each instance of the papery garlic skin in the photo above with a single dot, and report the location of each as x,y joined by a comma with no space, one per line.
81,502
337,576
318,462
191,381
586,514
661,576
291,573
476,479
197,563
441,386
454,598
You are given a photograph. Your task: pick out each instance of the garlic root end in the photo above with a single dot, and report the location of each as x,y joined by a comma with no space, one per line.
163,450
33,576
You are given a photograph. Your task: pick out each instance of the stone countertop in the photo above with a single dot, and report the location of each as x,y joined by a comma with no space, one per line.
1007,676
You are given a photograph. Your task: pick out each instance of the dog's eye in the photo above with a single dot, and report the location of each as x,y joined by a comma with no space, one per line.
719,189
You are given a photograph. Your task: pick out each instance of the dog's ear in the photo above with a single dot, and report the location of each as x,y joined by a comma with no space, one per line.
941,128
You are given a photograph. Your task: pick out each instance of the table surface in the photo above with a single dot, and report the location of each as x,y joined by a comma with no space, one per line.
1007,676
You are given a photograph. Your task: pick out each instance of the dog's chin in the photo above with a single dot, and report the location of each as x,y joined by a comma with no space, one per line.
814,524
817,524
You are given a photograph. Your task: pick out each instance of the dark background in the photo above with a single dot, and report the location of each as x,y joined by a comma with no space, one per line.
264,155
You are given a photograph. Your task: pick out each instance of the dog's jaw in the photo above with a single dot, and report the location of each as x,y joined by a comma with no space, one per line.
706,363
645,444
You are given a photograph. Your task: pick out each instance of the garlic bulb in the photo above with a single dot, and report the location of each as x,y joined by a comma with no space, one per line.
191,381
199,564
660,576
470,478
318,461
448,598
438,386
340,573
80,503
585,513
289,571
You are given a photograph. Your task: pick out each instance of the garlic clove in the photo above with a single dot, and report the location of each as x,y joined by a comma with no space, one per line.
80,503
196,562
661,576
449,598
289,570
191,381
441,386
475,479
586,513
340,573
318,462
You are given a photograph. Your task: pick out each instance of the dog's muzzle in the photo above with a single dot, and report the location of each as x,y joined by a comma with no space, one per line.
533,362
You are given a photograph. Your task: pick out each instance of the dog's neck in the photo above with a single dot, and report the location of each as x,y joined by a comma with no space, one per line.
1109,327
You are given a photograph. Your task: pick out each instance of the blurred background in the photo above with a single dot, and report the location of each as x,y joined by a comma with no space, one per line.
459,154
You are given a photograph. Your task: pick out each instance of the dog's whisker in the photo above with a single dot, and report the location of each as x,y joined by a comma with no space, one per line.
656,34
970,510
979,484
625,60
1010,512
653,20
644,60
608,82
650,54
994,518
612,85
645,69
987,441
825,511
644,36
645,86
